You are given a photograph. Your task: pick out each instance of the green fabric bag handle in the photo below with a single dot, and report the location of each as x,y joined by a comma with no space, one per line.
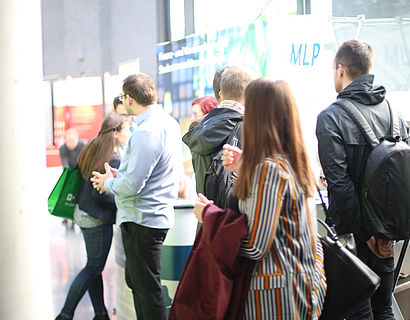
62,200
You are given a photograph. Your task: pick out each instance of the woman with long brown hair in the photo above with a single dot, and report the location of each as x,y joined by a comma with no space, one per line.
274,187
95,215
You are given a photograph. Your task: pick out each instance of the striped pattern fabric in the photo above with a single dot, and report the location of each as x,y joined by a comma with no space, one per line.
288,281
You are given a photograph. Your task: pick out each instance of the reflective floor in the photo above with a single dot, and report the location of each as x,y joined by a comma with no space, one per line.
68,257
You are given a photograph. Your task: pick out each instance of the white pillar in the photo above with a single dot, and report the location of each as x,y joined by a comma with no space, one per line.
25,286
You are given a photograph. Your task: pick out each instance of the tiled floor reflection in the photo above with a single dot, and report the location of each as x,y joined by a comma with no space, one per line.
68,257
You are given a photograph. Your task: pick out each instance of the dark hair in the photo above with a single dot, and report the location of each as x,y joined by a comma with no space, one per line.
141,88
356,57
271,127
116,102
100,149
233,83
206,103
217,82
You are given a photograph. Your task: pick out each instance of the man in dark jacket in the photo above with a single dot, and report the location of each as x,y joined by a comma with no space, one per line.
343,152
71,148
207,138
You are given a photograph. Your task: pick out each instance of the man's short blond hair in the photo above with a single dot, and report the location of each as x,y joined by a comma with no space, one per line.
233,83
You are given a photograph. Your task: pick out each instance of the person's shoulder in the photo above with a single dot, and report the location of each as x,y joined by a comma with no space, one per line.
280,165
331,117
194,123
224,112
219,118
331,110
161,116
63,148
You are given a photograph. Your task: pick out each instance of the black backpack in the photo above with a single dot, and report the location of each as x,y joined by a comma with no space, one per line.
385,194
218,180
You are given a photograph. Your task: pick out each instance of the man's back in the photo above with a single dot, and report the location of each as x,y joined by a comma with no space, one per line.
343,153
146,186
338,134
207,138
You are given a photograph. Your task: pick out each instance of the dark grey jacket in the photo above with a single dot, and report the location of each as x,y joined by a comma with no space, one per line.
207,138
343,150
101,206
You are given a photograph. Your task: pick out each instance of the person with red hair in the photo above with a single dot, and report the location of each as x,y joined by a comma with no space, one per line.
201,106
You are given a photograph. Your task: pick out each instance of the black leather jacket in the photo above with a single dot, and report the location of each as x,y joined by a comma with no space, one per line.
343,150
207,138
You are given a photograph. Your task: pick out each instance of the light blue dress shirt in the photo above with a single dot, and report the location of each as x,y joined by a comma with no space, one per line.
146,185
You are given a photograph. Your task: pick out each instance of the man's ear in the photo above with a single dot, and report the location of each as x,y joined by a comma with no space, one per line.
130,99
340,70
220,95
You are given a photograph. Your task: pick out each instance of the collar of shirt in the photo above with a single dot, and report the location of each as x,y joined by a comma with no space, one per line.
138,120
232,104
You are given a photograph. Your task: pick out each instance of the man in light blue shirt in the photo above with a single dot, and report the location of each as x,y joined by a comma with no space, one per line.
145,187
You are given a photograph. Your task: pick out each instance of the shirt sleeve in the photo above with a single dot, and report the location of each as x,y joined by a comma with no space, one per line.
267,195
144,153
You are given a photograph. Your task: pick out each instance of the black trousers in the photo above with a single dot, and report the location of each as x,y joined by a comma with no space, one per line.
143,248
379,306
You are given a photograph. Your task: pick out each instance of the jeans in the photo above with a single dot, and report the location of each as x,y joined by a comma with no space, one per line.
97,242
379,306
143,248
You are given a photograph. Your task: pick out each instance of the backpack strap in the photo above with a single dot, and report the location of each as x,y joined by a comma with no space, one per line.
395,123
359,120
364,125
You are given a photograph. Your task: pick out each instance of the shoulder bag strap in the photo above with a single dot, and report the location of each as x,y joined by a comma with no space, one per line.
326,211
233,135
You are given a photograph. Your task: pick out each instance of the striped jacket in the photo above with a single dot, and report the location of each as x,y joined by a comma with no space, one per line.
288,281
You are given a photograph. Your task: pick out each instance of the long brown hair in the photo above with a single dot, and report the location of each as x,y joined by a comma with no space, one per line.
100,149
271,127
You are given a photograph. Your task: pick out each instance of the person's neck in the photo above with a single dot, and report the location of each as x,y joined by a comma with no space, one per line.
138,109
346,82
233,100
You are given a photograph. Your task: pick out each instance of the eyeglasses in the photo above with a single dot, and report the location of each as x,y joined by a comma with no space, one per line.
121,97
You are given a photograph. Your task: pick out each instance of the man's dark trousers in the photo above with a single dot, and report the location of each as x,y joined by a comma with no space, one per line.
379,306
143,247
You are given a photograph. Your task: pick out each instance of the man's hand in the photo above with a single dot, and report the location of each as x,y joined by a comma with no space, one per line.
385,247
98,179
381,248
114,172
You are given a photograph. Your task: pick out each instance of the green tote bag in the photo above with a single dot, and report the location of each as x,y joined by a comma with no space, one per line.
61,201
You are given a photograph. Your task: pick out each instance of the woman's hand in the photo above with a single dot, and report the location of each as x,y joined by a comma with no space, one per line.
231,157
200,204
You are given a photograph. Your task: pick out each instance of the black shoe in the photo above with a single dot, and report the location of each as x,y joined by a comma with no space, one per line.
101,317
60,317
